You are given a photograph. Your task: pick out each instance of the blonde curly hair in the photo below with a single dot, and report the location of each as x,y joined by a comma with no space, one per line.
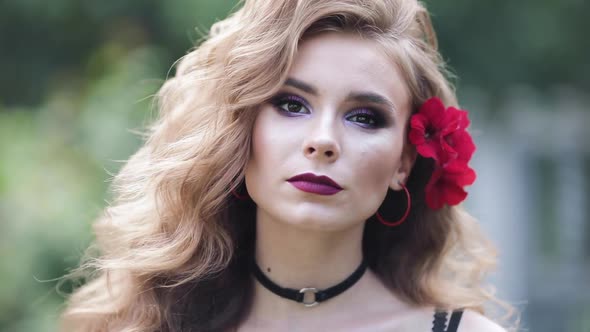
172,249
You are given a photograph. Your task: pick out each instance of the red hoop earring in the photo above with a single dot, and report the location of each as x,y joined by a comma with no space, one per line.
400,221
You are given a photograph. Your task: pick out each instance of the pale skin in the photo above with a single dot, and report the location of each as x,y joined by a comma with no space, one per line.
310,240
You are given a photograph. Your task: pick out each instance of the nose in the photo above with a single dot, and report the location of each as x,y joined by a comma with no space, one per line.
321,144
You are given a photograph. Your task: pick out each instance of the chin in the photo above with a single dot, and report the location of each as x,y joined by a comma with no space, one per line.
325,222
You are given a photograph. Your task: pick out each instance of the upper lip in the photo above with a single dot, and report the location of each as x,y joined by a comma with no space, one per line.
310,177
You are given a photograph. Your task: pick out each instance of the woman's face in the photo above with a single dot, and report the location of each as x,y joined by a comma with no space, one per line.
341,114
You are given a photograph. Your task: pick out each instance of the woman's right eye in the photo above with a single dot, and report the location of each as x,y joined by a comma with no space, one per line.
291,105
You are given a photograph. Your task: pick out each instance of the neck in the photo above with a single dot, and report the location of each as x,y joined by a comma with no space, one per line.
296,257
293,256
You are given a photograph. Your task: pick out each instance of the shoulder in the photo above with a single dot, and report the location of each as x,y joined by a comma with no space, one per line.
474,321
421,319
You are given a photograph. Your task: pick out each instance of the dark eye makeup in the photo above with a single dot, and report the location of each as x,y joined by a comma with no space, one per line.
366,117
293,105
290,105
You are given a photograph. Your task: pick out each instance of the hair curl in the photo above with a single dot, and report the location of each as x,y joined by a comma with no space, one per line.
174,244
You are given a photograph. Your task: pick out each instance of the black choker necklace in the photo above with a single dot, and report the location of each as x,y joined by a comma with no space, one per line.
309,296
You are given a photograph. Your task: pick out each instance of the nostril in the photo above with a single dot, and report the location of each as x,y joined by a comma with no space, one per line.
327,153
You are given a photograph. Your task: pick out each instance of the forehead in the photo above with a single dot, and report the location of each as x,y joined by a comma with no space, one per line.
338,63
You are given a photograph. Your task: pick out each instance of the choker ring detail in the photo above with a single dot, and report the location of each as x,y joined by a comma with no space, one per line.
309,296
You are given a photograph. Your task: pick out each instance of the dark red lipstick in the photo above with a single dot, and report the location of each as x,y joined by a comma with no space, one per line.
311,183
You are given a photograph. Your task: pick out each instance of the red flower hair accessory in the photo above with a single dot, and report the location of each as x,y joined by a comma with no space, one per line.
440,133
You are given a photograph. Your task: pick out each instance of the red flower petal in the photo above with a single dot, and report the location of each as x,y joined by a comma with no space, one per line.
446,184
456,119
463,120
434,109
418,124
463,144
458,173
429,150
458,145
454,195
440,133
426,145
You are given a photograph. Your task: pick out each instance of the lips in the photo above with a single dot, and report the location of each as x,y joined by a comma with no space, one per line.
315,184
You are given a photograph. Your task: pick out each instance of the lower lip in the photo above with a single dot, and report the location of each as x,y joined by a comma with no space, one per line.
315,188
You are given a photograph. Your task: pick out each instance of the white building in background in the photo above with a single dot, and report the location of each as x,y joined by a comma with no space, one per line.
532,197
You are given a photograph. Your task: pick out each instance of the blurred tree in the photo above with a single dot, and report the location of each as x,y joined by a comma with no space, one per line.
47,41
497,44
490,44
76,79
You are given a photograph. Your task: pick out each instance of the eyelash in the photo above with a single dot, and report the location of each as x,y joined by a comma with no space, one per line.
280,100
375,116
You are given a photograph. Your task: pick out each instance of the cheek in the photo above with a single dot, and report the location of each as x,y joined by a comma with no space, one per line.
259,144
373,168
267,139
378,163
267,149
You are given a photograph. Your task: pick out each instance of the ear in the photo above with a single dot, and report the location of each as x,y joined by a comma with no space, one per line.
408,158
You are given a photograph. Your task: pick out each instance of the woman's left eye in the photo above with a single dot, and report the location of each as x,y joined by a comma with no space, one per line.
291,105
366,118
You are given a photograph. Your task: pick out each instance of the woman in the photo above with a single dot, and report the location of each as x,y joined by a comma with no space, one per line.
304,174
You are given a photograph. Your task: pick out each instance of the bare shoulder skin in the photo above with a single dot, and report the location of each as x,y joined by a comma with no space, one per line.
474,321
471,321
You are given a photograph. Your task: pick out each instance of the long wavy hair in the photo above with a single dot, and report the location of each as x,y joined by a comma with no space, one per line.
172,249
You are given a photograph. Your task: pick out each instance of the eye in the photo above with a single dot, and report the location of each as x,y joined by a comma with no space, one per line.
366,118
290,105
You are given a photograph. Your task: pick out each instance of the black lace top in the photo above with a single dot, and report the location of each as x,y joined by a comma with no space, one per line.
439,324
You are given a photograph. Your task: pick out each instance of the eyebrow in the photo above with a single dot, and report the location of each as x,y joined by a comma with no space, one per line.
358,96
370,97
301,86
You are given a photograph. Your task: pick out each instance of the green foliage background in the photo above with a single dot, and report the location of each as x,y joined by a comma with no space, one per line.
76,78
